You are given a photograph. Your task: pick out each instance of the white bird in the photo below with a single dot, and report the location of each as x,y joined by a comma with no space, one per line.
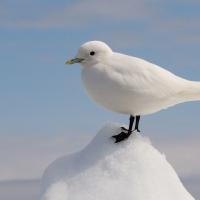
130,85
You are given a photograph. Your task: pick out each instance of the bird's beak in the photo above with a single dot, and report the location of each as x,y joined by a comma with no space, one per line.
74,60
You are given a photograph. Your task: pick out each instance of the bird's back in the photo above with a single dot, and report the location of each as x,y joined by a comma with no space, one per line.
145,77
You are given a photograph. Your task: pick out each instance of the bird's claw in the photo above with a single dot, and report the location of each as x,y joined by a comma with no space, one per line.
125,129
125,133
136,129
120,137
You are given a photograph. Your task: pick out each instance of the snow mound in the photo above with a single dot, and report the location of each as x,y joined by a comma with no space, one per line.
103,170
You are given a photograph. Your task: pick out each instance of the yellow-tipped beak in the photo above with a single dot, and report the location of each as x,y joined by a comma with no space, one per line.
74,60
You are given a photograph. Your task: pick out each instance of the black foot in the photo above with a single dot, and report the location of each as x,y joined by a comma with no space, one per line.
136,129
120,137
125,129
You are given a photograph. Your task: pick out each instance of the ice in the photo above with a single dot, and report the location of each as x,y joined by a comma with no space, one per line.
103,170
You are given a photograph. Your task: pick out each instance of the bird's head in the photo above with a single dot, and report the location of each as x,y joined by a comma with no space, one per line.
90,53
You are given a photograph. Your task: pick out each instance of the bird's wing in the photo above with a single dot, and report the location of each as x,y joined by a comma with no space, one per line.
144,77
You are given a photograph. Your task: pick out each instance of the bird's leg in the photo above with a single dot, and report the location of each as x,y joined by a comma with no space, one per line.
122,136
131,124
137,123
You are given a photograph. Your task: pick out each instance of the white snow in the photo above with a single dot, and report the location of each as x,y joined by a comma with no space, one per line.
103,170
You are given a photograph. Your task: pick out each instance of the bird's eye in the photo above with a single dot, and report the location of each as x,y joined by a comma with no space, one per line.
92,53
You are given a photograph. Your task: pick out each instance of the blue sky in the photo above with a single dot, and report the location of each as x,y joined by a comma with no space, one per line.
42,99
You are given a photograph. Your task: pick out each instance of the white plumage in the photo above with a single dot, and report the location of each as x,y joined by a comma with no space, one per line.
131,85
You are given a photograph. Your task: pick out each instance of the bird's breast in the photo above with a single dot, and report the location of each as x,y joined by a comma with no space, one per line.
107,89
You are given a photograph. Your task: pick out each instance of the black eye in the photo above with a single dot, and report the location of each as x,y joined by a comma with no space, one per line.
92,53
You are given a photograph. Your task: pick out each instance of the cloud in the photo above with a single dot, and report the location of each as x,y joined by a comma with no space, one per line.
192,184
83,13
158,24
115,38
78,14
20,190
26,156
182,152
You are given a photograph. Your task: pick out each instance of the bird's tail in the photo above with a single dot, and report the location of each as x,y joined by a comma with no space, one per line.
191,92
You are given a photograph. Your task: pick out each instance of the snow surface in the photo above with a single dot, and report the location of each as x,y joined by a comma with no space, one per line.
103,170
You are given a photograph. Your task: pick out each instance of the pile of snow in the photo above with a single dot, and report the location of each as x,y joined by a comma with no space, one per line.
103,170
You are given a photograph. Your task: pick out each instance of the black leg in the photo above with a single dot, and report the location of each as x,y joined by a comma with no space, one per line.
137,123
131,124
122,136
